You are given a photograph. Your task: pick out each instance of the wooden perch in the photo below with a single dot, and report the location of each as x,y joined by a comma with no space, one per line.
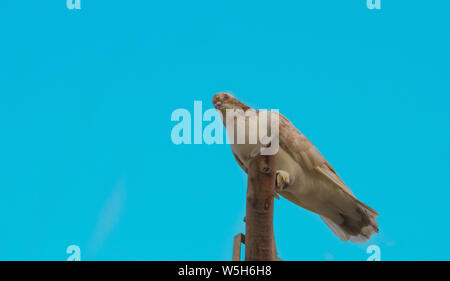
238,239
259,234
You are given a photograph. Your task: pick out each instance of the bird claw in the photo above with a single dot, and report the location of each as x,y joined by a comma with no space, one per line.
282,180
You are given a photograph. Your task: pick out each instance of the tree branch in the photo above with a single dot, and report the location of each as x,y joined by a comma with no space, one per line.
259,234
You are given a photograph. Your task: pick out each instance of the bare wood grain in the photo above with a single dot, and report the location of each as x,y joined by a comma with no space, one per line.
259,233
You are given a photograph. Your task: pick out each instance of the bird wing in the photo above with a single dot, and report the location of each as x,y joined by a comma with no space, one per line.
307,155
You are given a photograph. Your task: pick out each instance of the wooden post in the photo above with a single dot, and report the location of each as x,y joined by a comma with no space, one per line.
259,234
238,239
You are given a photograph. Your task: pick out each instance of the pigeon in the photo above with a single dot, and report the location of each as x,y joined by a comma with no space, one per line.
303,175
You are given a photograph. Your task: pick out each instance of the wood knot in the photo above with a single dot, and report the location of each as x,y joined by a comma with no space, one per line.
265,169
267,203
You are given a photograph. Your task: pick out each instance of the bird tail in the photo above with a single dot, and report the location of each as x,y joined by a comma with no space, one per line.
355,230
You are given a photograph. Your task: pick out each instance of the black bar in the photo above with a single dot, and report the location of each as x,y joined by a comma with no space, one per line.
199,270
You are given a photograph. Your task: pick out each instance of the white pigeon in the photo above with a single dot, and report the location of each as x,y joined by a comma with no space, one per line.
305,178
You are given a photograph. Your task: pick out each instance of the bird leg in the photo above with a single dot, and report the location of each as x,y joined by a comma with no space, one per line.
282,180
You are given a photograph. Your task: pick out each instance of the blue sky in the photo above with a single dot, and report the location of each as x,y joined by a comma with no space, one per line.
86,98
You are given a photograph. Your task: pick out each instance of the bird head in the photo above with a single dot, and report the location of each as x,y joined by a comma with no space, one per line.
223,101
